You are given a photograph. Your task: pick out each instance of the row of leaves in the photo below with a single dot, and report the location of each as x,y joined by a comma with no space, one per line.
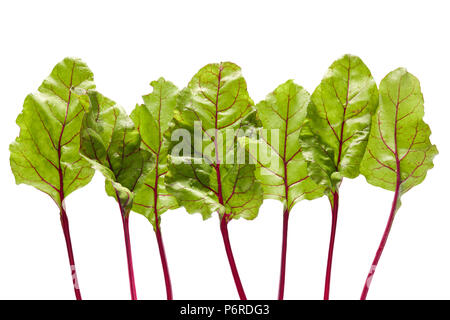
346,127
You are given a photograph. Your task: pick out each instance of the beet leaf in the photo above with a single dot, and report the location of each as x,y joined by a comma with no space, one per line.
46,153
399,152
110,141
207,169
281,168
335,134
151,199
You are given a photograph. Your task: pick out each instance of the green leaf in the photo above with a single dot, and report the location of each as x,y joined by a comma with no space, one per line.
46,153
110,141
205,178
335,134
399,148
152,120
281,168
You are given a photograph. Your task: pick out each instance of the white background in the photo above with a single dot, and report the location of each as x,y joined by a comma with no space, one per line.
127,45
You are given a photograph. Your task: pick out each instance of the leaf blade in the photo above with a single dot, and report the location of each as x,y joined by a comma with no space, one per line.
284,174
111,143
339,118
46,152
152,119
215,105
399,145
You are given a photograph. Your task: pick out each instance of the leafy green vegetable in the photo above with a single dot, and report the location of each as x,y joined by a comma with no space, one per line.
209,149
338,125
284,175
152,120
151,198
46,153
281,168
110,141
207,180
399,143
399,152
335,134
208,174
